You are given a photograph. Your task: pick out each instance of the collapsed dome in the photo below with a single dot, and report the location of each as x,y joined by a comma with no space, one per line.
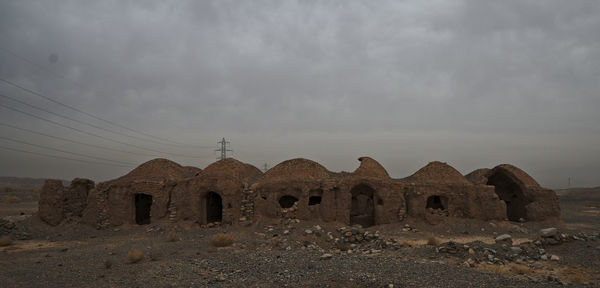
478,176
370,168
298,168
514,173
156,170
231,167
438,172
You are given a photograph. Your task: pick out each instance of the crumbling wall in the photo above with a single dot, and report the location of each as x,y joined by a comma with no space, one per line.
188,198
523,196
389,205
235,192
268,195
58,202
461,201
50,205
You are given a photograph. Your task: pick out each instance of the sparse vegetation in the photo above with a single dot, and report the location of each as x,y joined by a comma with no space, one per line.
154,256
5,241
507,270
433,241
172,237
274,244
222,240
10,199
577,275
405,243
342,246
134,256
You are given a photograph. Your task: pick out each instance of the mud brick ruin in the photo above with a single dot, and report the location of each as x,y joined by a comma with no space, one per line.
232,192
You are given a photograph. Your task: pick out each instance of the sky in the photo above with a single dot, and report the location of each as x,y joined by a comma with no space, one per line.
471,83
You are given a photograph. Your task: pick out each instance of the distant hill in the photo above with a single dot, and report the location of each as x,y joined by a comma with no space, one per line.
24,183
579,193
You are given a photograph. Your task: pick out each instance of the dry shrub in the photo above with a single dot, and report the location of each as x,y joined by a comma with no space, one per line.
5,241
274,244
342,246
433,241
134,256
577,275
172,237
222,240
496,269
154,256
507,270
107,264
11,199
405,243
520,269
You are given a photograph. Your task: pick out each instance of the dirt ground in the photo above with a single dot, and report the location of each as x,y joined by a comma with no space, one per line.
291,253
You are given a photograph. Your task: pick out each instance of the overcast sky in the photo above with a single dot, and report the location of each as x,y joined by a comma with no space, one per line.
470,83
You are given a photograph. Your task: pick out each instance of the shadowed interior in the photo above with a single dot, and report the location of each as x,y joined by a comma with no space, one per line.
363,210
511,193
143,203
214,207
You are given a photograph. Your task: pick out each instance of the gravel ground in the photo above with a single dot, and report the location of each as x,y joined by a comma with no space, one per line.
285,253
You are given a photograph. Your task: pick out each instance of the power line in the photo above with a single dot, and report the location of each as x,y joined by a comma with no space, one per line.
60,157
95,135
30,62
94,116
76,142
65,151
78,121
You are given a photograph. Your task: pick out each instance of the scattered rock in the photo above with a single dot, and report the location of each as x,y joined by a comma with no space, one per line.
504,238
326,256
548,232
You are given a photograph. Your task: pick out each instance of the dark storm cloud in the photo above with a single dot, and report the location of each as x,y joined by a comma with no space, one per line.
473,83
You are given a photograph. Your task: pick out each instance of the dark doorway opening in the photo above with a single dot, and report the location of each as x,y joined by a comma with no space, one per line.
314,200
214,207
143,203
362,211
512,194
287,201
437,202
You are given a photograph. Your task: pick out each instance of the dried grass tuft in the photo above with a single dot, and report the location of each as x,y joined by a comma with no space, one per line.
222,240
433,241
134,256
5,241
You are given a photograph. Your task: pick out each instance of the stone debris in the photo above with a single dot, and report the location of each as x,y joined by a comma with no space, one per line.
504,238
548,232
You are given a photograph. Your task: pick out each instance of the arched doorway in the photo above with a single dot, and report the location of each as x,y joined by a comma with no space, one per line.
512,194
143,203
362,210
437,202
214,207
287,201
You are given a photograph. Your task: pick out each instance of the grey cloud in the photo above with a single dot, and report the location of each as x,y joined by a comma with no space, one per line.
474,83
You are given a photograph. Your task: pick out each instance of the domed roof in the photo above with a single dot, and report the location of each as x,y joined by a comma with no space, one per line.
438,172
156,170
234,168
370,168
191,171
515,173
298,168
